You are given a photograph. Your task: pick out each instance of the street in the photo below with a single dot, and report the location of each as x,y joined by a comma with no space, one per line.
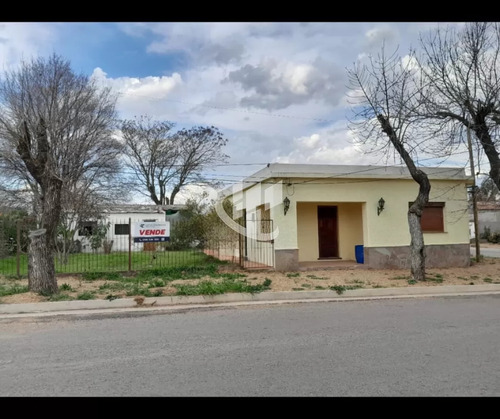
492,252
446,346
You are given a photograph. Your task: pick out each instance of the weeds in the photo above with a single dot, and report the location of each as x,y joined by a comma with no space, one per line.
340,289
355,281
293,274
60,297
12,289
87,295
226,285
65,287
434,278
316,277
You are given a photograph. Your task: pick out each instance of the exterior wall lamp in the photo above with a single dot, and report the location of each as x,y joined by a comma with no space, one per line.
380,207
286,205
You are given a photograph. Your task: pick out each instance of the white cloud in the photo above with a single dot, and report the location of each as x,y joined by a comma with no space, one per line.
24,41
140,95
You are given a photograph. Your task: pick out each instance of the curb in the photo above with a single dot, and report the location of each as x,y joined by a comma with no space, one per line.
267,297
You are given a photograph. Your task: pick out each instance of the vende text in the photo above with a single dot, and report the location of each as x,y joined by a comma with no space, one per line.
158,232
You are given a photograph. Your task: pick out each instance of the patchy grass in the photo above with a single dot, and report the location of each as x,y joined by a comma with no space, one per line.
87,295
355,281
7,289
315,277
115,261
434,278
340,289
65,287
226,285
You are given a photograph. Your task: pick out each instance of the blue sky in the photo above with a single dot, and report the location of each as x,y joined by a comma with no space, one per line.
277,90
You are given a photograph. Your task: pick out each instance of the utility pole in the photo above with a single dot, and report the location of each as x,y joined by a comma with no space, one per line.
474,202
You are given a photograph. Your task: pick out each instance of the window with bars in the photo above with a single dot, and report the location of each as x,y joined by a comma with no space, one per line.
122,229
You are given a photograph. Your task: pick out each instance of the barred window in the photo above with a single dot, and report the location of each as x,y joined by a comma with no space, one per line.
122,229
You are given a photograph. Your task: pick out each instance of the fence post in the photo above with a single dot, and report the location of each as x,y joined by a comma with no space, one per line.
129,244
18,249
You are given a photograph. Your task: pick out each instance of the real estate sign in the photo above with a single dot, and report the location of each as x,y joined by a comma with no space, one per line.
151,232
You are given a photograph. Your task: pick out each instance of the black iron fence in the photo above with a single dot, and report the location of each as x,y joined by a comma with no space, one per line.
96,247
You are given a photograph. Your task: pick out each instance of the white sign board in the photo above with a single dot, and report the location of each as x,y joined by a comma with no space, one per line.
151,232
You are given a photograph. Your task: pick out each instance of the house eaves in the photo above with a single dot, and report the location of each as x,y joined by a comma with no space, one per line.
284,171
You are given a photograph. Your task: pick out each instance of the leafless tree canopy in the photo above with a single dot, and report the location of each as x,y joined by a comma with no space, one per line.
386,93
487,191
461,70
55,139
163,162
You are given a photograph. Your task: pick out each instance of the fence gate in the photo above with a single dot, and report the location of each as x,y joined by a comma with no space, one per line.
256,247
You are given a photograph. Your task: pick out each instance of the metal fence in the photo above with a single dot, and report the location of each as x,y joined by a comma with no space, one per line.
256,247
117,251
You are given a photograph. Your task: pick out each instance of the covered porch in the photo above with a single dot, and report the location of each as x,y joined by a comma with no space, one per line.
330,234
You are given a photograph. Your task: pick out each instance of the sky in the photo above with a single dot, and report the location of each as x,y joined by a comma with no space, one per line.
276,90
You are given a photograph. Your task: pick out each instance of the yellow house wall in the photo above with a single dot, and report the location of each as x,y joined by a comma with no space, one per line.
357,200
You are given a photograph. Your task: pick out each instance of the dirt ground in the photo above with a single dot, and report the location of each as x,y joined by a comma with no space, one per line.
486,271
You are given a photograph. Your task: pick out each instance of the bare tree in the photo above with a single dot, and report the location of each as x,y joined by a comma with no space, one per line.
163,162
461,68
387,92
85,200
55,131
487,191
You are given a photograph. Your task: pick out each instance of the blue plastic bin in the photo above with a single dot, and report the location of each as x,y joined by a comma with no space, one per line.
360,255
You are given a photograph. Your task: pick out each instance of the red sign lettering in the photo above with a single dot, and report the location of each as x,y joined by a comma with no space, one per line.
151,232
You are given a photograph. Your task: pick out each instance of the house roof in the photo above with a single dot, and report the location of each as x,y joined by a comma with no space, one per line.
140,209
321,171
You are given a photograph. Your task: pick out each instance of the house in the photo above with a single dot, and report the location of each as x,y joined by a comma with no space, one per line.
292,214
120,219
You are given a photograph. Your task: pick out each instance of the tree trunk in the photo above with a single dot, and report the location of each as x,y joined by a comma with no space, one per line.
417,247
41,269
41,265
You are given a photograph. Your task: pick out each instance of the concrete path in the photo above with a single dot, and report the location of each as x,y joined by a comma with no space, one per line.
81,307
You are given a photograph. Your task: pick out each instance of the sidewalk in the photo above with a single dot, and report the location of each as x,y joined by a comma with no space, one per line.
176,303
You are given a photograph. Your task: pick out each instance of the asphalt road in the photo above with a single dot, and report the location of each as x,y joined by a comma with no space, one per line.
441,346
492,252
